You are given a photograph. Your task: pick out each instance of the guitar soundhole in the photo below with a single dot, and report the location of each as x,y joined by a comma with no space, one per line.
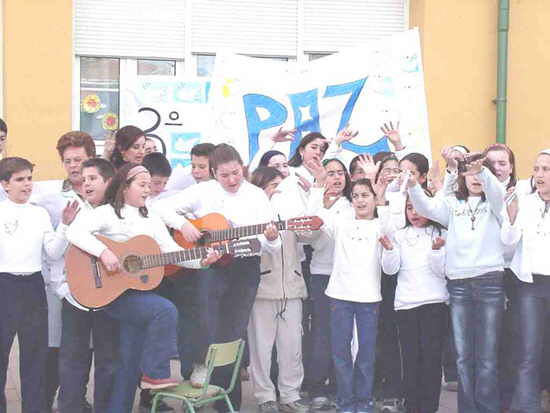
132,263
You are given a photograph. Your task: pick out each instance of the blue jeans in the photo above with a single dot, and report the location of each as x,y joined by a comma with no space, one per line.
354,381
533,305
477,307
148,325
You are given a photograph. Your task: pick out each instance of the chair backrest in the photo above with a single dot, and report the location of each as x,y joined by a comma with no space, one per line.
222,354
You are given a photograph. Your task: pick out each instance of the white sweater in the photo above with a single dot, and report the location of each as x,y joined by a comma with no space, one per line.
470,253
55,272
103,220
357,254
420,269
530,234
248,206
323,245
25,231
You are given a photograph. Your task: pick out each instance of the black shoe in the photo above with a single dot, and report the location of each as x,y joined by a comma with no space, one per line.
87,407
146,402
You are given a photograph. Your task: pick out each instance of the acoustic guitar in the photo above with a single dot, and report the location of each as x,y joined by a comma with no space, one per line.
142,267
216,229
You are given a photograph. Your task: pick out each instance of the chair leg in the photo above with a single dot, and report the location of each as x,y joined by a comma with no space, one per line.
229,404
156,399
190,408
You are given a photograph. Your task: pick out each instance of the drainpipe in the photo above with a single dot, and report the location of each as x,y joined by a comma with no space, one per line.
502,68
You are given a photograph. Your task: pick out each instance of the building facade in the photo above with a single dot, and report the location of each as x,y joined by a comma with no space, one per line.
55,53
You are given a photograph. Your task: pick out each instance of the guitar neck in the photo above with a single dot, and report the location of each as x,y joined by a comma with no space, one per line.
176,257
246,231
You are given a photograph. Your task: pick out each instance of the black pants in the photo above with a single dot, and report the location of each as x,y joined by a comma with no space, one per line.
422,334
52,376
75,357
24,311
185,299
388,378
225,298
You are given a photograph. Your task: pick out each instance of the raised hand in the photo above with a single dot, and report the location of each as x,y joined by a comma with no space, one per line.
283,135
435,180
512,204
317,169
392,133
438,243
386,242
346,135
473,163
451,157
70,212
366,162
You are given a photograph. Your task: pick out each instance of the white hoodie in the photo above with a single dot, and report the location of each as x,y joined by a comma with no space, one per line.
470,252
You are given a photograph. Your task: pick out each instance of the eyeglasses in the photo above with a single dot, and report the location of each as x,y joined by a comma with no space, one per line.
387,171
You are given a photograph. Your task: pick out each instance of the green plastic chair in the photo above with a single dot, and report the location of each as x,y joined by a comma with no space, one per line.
218,355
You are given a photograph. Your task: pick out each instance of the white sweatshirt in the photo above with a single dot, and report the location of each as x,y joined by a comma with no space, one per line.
420,269
248,206
470,253
530,234
356,273
103,220
55,274
323,245
25,231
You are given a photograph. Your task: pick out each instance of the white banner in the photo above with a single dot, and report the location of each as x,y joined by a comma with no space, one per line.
170,110
362,88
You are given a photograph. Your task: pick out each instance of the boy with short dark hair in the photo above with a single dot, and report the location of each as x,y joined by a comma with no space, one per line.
25,232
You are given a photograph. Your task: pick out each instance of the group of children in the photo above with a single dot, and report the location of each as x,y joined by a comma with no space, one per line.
360,308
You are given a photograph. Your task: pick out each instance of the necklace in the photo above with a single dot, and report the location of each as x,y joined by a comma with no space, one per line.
473,214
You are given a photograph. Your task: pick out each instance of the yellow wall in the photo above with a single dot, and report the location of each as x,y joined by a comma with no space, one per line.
459,44
38,72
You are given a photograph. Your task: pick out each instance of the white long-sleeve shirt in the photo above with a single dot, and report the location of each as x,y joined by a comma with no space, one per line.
420,269
248,206
322,260
530,234
357,254
470,252
25,232
103,220
55,272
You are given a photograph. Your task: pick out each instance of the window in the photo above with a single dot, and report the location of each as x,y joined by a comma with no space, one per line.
205,64
156,67
99,96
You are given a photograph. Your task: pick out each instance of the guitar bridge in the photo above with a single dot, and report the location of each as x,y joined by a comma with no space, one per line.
96,271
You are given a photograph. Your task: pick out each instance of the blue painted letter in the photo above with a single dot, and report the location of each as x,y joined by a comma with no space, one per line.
277,116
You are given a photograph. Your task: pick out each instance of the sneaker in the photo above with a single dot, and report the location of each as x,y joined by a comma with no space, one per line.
151,383
365,408
451,386
146,402
198,376
297,406
321,403
268,407
392,406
